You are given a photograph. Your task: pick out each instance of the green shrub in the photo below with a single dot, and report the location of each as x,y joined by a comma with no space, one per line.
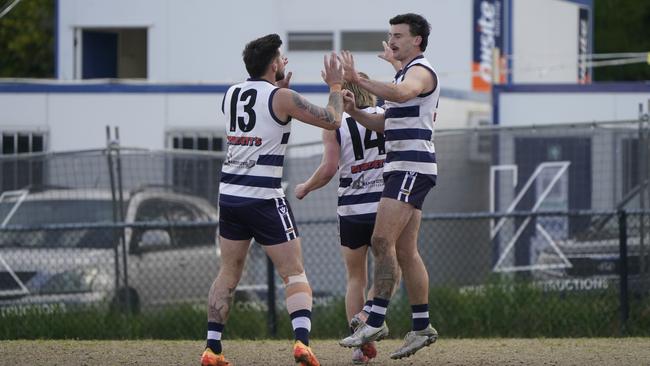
497,309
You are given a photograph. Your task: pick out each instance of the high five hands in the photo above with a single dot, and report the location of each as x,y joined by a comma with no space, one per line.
347,60
333,72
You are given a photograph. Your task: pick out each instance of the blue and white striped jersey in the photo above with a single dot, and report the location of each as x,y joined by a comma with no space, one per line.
361,166
256,140
409,128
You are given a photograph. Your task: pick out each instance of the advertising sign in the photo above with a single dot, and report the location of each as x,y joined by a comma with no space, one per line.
488,59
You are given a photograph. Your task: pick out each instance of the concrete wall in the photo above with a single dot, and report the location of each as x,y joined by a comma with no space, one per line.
202,40
545,41
547,104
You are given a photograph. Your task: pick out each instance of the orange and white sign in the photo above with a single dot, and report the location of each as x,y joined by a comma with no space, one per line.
488,61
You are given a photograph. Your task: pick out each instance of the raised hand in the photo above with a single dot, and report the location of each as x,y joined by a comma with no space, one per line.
333,72
388,56
347,61
284,83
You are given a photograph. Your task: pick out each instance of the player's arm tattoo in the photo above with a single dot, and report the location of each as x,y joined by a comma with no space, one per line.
219,303
328,114
336,102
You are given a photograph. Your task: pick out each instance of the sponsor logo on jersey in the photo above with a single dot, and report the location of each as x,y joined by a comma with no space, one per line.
240,164
361,183
245,140
375,164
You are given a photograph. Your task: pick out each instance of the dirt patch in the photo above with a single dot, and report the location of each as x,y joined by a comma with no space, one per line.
608,351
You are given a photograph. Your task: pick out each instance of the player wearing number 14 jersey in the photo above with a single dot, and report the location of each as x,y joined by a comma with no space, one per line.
258,114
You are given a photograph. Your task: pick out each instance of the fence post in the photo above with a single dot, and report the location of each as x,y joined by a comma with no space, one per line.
109,157
270,298
120,191
643,178
622,242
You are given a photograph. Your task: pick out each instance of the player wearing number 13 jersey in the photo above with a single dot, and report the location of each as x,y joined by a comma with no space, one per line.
257,140
258,115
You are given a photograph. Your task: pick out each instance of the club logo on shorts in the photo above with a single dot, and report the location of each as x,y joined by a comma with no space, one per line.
282,209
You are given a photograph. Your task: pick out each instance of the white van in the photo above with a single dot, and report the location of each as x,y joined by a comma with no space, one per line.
173,262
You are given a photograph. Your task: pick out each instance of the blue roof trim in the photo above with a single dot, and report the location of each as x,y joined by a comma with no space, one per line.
110,87
119,87
464,95
311,88
619,87
21,87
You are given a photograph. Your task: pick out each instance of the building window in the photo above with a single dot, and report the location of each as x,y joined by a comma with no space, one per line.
196,141
311,41
112,53
21,143
18,170
363,41
197,172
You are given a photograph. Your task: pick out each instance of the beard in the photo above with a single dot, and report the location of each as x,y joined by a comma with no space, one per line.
279,75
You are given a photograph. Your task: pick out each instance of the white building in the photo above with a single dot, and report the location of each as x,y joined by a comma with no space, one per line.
184,55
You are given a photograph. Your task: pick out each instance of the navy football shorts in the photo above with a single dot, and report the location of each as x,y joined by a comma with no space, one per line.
269,221
356,232
409,187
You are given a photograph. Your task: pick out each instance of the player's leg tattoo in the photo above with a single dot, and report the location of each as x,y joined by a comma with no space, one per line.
220,301
386,267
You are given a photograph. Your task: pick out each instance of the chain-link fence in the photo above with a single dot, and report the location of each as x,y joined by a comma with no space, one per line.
523,236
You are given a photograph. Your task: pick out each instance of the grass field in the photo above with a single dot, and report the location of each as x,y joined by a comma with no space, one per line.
587,351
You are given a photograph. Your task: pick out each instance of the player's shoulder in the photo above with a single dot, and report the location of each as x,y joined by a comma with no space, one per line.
422,72
284,93
419,69
283,96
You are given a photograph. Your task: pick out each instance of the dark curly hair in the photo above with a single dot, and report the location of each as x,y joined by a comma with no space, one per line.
259,53
418,26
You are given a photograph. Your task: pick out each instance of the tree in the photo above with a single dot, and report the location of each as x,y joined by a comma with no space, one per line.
622,26
27,40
